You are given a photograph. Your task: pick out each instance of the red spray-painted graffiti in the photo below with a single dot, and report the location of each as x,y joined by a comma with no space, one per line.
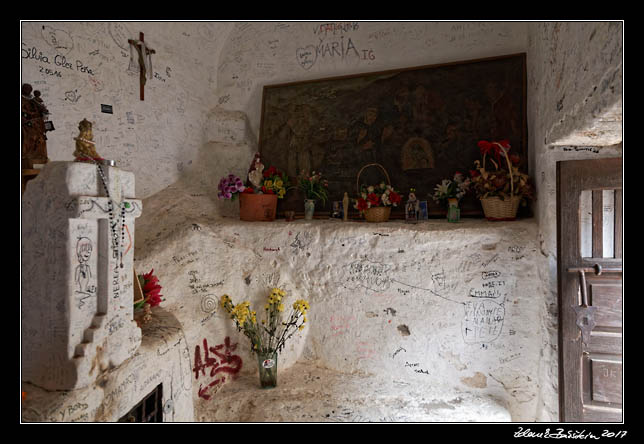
227,363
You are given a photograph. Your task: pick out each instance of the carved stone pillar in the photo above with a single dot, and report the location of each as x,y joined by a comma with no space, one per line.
77,292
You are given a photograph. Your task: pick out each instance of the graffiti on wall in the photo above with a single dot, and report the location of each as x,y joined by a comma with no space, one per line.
220,361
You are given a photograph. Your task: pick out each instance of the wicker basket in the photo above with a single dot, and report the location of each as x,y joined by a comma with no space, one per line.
375,214
495,208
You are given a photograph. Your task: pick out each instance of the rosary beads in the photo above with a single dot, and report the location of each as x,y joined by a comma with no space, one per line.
113,222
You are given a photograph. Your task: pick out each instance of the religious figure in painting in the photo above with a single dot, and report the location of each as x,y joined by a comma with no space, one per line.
417,154
85,146
504,110
299,125
369,133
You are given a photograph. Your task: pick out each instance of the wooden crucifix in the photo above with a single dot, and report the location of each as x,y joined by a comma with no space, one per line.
145,59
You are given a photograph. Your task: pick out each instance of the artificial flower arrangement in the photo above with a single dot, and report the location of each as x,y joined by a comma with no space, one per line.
505,185
314,187
506,179
151,290
260,181
229,187
454,188
272,181
381,195
152,297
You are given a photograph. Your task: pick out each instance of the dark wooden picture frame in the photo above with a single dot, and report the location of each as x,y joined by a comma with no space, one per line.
422,124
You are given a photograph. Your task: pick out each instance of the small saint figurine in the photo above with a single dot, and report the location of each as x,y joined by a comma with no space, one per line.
345,207
34,127
85,145
256,172
412,207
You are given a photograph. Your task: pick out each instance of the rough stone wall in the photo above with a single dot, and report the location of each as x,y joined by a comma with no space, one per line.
453,308
574,112
79,66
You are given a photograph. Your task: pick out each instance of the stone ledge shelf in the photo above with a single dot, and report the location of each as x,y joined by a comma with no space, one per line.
412,322
309,393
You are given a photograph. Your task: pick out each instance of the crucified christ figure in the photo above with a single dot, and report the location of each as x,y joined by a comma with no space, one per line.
144,59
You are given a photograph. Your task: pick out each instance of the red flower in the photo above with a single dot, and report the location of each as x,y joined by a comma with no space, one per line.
152,289
495,148
248,190
362,204
474,173
149,275
271,171
514,158
154,299
267,191
485,146
373,199
394,197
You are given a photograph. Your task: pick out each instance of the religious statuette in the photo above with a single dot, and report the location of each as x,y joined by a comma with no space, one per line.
85,145
256,172
412,207
144,59
336,209
34,127
345,207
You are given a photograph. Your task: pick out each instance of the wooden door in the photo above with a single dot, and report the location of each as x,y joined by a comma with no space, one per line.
589,236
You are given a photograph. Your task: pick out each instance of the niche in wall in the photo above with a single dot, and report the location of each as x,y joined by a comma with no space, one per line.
421,124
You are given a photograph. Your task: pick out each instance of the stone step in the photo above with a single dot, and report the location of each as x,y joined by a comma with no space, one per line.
80,349
98,320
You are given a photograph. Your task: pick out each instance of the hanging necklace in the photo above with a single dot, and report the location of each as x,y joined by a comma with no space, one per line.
117,244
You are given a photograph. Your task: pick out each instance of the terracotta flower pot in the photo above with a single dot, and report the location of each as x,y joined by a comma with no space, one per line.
257,207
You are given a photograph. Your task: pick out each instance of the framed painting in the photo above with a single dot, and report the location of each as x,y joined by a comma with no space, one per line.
422,124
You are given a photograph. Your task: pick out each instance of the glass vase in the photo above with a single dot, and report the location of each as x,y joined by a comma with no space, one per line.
267,364
453,212
309,209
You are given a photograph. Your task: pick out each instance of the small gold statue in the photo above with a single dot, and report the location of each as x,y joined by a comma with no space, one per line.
85,146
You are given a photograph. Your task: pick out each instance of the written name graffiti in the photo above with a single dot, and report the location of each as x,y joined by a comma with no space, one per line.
33,53
483,321
371,275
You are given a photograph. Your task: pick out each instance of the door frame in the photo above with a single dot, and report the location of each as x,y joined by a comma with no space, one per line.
570,386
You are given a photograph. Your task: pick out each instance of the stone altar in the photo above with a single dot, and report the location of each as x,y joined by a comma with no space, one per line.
77,290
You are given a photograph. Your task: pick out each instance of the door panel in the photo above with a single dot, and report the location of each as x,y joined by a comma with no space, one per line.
589,234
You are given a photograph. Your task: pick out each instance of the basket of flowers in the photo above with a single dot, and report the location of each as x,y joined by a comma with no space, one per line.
500,191
375,201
